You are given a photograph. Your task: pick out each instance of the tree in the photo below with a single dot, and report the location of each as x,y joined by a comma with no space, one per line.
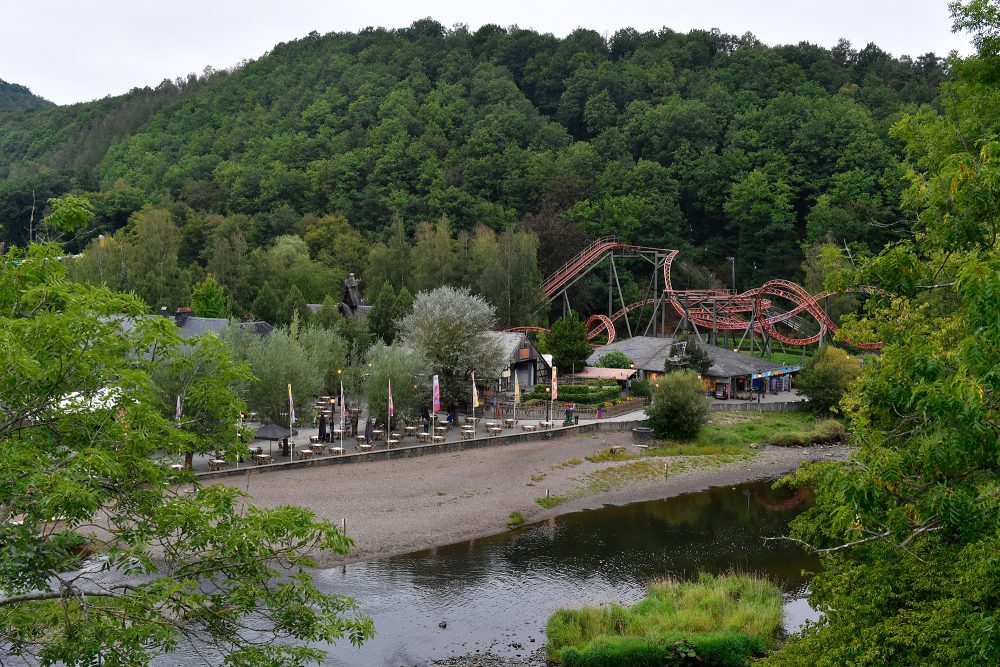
409,371
208,298
328,315
450,326
679,409
201,377
69,213
826,378
381,319
615,359
567,342
266,306
295,306
907,529
761,215
328,351
433,256
404,303
84,440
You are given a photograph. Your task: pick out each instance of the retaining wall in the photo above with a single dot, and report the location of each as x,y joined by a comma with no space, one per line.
753,406
409,451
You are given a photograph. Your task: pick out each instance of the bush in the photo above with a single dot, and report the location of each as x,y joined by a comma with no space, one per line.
641,388
585,394
826,377
679,409
615,359
723,620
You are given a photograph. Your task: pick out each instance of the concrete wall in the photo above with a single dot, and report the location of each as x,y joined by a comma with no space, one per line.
424,449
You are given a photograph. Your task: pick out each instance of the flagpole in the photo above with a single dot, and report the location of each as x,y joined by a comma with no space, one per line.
388,416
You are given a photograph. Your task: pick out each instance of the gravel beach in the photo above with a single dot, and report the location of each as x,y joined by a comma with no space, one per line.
399,506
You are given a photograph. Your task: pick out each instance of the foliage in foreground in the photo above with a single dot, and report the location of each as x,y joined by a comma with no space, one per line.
909,530
678,409
84,441
716,620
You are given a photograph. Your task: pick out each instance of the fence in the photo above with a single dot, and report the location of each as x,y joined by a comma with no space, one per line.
541,411
731,406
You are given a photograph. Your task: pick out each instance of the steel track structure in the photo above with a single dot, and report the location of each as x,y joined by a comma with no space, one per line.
710,310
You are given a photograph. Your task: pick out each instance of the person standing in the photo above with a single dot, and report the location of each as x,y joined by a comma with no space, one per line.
322,427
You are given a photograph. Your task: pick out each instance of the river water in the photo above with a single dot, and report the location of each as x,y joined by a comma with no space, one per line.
496,594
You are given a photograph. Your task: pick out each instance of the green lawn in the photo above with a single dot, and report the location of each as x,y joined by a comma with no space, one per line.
716,620
733,432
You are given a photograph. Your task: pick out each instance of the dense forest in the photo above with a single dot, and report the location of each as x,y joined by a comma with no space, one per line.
407,156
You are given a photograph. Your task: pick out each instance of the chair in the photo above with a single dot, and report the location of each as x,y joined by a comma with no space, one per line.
217,464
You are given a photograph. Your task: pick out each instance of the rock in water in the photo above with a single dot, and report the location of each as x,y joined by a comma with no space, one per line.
443,624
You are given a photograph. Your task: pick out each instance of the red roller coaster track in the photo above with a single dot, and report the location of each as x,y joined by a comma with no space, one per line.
705,308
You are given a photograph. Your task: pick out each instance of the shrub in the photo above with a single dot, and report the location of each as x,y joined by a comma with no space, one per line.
826,377
679,409
515,519
641,389
615,359
585,394
723,620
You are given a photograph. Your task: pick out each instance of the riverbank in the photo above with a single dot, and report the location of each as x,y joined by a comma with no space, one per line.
399,506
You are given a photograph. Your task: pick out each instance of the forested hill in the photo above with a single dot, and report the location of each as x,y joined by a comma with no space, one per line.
14,96
714,144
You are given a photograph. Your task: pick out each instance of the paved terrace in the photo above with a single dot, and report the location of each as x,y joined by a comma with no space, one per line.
453,440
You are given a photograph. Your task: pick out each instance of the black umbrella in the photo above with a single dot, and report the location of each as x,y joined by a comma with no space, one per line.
273,432
368,430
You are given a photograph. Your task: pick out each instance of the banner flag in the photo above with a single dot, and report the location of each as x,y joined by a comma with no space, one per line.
177,413
517,389
343,407
392,412
555,384
437,395
475,394
291,407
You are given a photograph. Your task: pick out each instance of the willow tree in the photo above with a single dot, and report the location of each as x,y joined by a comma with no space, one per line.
84,442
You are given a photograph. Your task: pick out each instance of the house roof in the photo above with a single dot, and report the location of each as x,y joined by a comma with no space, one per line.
651,354
189,327
594,373
509,341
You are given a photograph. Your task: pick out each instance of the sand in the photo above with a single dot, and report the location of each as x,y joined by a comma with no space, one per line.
405,505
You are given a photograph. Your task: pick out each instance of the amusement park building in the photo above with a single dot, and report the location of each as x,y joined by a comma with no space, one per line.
522,358
731,373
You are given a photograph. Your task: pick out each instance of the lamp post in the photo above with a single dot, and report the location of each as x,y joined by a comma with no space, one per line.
732,262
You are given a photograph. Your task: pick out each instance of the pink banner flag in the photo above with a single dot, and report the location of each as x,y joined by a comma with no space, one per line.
437,395
555,384
392,412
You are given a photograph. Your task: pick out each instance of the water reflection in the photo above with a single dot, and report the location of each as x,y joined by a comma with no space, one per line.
496,593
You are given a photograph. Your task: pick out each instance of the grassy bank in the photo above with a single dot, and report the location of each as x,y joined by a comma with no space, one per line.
733,432
724,620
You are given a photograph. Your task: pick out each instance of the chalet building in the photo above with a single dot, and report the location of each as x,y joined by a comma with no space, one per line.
522,358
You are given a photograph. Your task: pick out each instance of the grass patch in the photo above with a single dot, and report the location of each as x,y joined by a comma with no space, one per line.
615,476
607,455
823,432
718,620
515,519
538,476
551,500
732,432
574,461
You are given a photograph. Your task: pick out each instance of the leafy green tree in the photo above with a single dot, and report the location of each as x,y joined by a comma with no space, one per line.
694,357
404,303
567,342
434,256
202,378
69,213
409,371
390,263
266,307
295,306
826,377
615,359
907,530
381,319
277,360
85,440
208,298
328,315
679,408
328,351
760,214
450,327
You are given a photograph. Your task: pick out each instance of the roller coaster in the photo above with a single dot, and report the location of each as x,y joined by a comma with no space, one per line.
778,310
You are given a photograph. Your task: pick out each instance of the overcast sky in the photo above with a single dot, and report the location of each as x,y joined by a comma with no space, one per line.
72,51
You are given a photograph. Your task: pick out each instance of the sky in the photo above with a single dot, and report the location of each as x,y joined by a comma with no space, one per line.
70,51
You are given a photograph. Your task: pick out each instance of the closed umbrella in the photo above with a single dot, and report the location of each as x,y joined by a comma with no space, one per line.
368,430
